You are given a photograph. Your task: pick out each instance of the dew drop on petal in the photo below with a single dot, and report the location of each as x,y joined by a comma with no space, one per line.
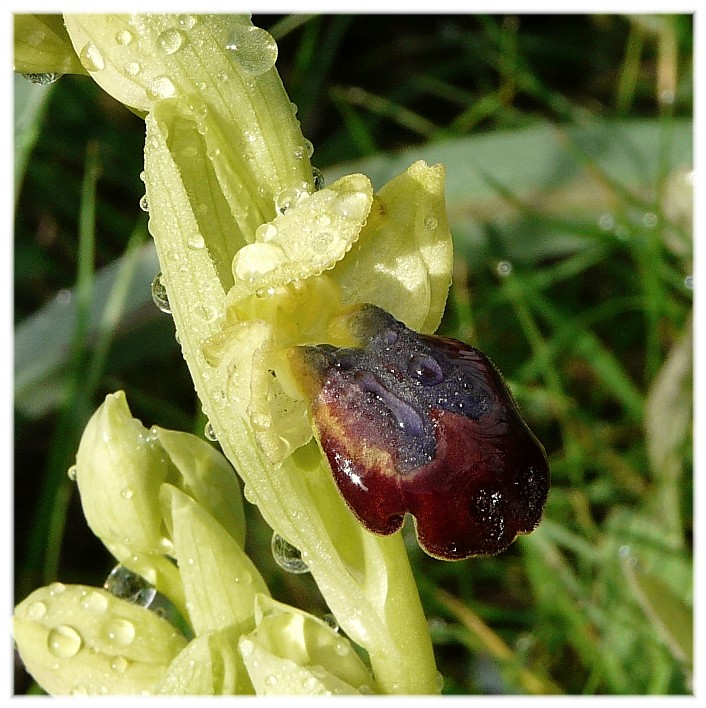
430,222
72,473
209,433
123,37
253,49
246,647
650,219
309,147
170,41
161,88
126,493
56,588
91,58
144,204
94,602
265,232
287,556
36,611
159,294
187,21
288,198
120,631
132,68
64,641
689,282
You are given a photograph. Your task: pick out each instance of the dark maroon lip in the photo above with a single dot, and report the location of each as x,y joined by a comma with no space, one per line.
425,425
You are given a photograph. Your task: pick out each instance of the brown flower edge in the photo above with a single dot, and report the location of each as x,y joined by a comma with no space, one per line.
425,425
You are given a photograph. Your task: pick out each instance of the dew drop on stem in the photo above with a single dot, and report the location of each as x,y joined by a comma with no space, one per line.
43,79
159,294
287,556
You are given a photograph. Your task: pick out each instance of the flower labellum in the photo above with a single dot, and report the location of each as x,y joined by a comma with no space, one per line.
426,425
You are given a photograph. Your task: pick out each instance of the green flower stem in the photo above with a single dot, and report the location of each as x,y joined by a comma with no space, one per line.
222,143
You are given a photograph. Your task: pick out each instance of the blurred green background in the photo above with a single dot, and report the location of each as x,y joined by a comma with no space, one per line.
567,141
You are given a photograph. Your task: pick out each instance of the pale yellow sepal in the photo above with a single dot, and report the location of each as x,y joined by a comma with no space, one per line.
120,467
81,640
210,665
294,653
220,581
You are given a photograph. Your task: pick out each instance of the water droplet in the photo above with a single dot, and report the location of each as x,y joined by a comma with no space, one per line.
331,621
161,88
43,79
126,493
271,680
196,242
56,588
351,205
265,232
36,611
223,76
342,648
319,180
246,647
503,268
123,37
650,219
144,204
254,49
64,296
170,41
120,631
95,602
187,21
119,664
91,58
159,294
209,433
430,222
79,690
425,369
256,259
287,556
287,198
309,147
689,282
72,473
667,97
132,68
365,690
606,222
64,641
439,680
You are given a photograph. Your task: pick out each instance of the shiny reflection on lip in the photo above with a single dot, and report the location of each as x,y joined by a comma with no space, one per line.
424,425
